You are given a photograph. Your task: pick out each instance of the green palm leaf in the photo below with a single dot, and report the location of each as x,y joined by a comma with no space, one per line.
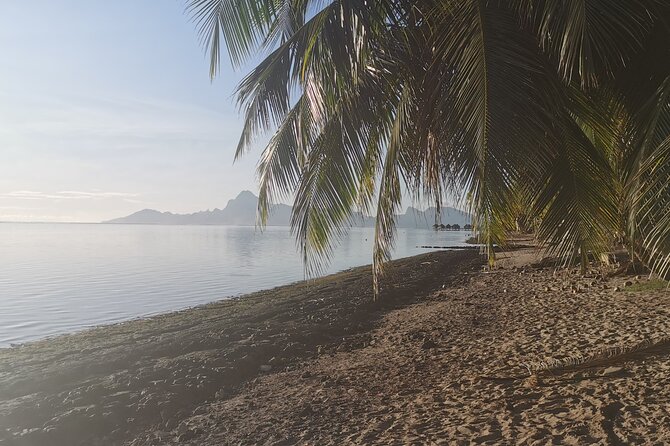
557,106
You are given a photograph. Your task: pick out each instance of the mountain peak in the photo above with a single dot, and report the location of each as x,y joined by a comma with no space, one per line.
246,196
241,210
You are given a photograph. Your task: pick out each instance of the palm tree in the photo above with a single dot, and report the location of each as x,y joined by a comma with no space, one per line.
557,110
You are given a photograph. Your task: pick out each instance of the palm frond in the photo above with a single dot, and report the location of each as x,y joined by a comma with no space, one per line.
496,107
649,188
266,92
242,23
558,106
589,40
577,200
653,205
390,193
283,159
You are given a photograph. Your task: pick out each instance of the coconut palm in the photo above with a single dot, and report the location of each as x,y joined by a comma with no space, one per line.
557,109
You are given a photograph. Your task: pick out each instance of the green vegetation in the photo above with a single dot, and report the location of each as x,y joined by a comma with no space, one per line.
651,285
535,114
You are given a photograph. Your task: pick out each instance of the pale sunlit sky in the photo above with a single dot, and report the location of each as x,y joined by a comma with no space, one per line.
106,108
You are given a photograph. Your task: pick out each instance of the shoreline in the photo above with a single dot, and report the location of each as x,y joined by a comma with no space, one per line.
81,281
231,297
47,371
319,363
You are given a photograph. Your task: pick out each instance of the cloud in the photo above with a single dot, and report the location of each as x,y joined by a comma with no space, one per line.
121,121
95,194
16,208
18,218
69,195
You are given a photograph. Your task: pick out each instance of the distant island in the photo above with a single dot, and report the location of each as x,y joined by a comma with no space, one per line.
241,211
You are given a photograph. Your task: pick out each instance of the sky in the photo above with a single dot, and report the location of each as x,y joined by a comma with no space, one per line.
106,108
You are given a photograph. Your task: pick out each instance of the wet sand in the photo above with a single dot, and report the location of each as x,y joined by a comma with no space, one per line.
451,355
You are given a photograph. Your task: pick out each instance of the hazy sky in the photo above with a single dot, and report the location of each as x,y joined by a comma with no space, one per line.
106,108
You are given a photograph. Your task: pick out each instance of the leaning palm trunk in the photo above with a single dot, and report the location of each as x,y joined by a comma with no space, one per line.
490,102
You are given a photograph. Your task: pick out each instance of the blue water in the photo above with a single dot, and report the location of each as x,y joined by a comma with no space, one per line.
60,278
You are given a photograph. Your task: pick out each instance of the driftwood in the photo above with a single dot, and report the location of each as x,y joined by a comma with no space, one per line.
604,358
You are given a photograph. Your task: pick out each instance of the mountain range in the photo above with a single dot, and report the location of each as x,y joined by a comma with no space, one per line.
241,211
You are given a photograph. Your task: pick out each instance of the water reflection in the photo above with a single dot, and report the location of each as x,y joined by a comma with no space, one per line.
57,278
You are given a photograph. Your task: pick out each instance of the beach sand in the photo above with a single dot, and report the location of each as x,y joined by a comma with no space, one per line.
452,354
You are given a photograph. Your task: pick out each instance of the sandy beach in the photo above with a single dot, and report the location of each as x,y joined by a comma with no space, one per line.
452,354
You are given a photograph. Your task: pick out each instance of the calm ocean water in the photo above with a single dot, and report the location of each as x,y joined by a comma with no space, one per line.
60,278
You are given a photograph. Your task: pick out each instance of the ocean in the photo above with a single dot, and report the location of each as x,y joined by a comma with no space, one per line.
61,278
